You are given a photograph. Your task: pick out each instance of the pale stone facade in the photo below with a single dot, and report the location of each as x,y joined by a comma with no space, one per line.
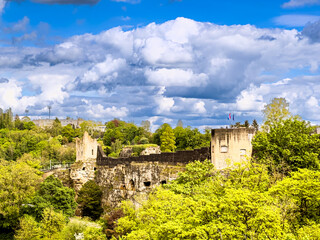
64,122
151,150
230,146
84,168
86,148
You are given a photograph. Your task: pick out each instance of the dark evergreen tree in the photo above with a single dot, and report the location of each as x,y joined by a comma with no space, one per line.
89,200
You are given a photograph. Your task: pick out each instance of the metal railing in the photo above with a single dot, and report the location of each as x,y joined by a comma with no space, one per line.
54,165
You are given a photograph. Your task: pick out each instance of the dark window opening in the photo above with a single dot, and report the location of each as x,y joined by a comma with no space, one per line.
163,182
83,168
147,184
92,151
131,184
94,168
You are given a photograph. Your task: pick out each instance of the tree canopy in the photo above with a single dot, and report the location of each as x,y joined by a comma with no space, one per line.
274,112
289,145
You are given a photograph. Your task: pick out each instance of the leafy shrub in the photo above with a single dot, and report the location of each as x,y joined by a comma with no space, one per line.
89,200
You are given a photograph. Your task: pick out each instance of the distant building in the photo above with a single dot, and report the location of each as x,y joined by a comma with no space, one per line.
230,145
64,122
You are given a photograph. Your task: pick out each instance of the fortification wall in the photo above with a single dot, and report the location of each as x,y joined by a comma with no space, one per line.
230,145
172,158
133,181
134,177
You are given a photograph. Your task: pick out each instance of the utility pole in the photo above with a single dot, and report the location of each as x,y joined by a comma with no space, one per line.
49,107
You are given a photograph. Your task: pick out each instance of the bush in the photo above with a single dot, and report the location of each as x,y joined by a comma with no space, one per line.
89,200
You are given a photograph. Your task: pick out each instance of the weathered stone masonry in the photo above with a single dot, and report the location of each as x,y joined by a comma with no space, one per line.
230,145
133,177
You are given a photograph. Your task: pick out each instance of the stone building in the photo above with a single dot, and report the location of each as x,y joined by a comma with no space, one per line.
85,166
133,177
64,122
230,146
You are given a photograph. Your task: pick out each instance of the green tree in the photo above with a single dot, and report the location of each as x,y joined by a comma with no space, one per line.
52,223
180,123
29,125
216,208
246,124
255,125
68,132
146,125
53,194
299,195
89,200
287,146
29,229
56,128
167,139
49,227
274,112
18,182
18,123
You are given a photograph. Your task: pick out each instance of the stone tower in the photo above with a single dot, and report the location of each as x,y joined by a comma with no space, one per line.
84,168
86,148
230,146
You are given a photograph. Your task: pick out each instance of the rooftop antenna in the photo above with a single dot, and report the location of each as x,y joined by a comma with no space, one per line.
49,107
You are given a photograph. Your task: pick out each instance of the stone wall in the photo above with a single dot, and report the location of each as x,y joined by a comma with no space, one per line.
133,180
172,158
81,172
230,145
134,177
151,150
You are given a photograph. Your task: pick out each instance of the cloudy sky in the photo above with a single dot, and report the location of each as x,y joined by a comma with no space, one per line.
159,60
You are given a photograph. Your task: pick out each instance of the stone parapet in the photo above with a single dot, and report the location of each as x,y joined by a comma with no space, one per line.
172,158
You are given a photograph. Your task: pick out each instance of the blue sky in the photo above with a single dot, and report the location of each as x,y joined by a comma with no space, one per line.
159,60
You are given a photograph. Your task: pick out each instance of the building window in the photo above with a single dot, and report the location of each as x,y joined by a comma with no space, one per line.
92,151
243,152
223,149
131,185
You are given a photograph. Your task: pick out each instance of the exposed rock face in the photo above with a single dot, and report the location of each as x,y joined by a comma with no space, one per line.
81,172
134,177
133,181
151,150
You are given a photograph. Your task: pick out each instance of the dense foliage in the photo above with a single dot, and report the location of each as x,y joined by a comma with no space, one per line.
18,183
53,194
89,200
287,146
240,203
120,134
